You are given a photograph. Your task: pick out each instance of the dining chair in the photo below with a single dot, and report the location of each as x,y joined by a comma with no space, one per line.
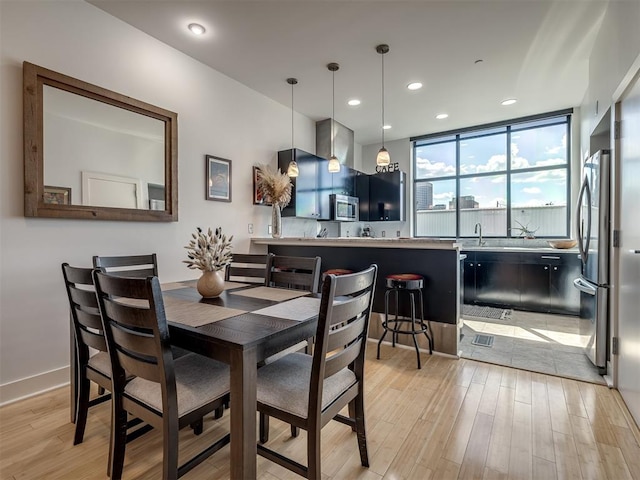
141,266
247,268
293,272
167,393
307,391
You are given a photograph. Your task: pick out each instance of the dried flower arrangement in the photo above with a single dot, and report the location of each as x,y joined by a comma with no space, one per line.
208,251
524,230
274,185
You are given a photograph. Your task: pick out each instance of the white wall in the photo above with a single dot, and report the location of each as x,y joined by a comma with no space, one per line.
216,115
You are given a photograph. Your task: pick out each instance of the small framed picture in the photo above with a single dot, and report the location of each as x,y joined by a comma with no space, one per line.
218,176
56,195
258,199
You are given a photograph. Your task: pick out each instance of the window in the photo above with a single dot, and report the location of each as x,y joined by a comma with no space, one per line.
507,177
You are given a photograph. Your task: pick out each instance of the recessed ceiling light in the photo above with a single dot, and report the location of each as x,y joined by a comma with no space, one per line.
442,116
509,101
196,28
386,127
354,102
414,86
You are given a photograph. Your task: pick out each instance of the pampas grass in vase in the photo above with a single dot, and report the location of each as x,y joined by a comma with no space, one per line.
275,187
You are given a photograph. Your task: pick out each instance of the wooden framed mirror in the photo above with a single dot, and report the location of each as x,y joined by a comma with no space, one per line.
91,153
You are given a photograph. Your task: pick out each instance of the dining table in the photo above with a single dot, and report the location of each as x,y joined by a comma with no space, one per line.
242,327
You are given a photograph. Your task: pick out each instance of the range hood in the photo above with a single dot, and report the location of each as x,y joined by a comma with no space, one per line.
343,142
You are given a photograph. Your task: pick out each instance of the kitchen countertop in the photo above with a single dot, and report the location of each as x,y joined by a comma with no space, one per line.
518,249
383,242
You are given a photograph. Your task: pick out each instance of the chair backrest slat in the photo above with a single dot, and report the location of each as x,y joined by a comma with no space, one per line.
343,336
137,266
85,314
248,268
342,359
302,273
343,324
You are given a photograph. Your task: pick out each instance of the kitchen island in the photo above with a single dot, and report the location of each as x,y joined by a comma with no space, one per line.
438,261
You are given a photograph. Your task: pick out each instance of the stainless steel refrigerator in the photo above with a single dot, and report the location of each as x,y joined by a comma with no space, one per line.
593,228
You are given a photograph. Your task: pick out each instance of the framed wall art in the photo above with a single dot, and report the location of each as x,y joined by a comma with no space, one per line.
258,199
218,177
56,195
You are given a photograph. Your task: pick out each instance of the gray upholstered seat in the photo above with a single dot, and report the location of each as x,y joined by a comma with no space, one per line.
285,384
199,380
101,362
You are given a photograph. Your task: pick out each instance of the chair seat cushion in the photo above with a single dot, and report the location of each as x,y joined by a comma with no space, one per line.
284,384
404,276
101,362
199,380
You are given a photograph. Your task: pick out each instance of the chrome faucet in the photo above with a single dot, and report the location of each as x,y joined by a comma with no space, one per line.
477,230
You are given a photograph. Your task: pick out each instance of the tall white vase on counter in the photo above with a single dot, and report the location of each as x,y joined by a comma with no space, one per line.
276,221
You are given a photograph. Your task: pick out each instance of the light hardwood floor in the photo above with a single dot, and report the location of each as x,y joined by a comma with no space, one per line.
452,419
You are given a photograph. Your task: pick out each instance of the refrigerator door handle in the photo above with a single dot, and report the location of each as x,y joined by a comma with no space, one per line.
583,286
582,246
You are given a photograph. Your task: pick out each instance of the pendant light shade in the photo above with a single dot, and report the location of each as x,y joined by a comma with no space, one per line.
383,158
292,170
334,163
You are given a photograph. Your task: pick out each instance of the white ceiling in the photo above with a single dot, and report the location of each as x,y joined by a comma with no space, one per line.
534,50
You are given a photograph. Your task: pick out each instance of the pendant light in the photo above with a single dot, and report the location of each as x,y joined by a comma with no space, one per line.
292,170
383,158
334,163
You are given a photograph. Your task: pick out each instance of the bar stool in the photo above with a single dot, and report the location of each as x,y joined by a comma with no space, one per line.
411,284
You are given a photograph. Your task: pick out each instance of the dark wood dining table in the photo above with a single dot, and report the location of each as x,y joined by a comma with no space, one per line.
241,341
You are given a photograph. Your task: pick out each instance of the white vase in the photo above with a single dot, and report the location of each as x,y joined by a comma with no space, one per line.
276,221
211,284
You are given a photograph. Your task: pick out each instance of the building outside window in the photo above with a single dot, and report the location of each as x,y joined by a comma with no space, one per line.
512,178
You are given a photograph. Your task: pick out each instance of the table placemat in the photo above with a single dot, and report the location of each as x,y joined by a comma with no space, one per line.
296,309
271,293
192,283
196,314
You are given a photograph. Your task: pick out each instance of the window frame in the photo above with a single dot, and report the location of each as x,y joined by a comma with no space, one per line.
510,126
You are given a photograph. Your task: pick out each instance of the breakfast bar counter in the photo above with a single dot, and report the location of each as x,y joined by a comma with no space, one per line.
438,261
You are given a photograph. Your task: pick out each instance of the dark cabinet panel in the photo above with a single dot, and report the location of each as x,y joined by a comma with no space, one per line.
469,276
564,297
387,196
311,188
362,192
497,283
534,286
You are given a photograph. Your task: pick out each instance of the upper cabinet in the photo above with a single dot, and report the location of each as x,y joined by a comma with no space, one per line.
311,188
386,195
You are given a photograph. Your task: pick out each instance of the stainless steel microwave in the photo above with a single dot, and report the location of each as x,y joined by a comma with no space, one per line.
344,208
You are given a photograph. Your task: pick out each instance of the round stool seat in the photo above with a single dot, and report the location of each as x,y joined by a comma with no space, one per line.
410,281
337,271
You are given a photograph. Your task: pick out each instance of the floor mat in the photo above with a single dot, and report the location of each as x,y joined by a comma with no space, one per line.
483,340
486,312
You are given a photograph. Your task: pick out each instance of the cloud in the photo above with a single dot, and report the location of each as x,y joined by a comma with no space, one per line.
427,168
550,161
443,196
531,190
495,163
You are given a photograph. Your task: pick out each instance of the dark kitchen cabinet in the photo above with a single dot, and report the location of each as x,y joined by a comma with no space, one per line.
387,196
362,192
522,280
311,188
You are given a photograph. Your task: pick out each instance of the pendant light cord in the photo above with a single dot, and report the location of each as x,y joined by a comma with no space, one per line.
333,108
382,100
292,127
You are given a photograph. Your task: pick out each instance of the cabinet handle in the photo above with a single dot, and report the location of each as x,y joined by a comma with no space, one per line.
471,264
546,268
555,268
550,257
479,264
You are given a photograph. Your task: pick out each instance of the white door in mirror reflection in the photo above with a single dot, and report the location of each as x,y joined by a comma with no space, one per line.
101,190
84,135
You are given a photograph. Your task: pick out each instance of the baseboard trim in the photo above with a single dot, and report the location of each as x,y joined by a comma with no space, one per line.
32,386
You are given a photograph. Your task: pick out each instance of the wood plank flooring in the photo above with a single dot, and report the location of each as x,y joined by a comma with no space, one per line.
452,419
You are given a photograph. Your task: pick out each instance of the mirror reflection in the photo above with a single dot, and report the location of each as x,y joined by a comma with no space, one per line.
107,156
